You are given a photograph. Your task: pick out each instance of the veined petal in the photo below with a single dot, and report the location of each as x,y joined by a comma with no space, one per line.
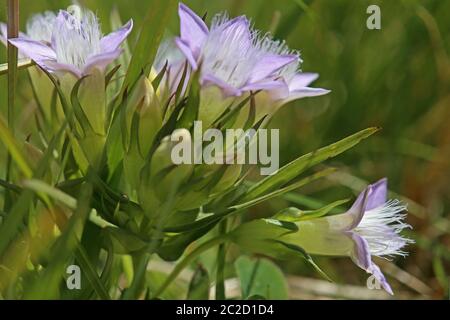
375,270
305,93
270,85
35,50
227,90
239,30
378,196
356,212
101,61
374,196
361,251
269,65
302,80
112,41
187,52
193,29
362,258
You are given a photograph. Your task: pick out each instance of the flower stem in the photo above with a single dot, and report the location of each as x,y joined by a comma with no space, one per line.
187,260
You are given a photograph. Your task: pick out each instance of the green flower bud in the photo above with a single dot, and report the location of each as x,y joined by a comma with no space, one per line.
162,177
142,121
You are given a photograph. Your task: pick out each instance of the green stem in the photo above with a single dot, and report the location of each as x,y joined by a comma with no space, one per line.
187,260
220,276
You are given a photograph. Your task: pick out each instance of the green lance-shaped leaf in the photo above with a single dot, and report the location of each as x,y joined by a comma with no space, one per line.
157,81
295,214
199,285
300,165
81,116
190,113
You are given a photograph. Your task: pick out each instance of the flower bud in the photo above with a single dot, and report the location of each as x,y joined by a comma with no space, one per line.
162,177
143,119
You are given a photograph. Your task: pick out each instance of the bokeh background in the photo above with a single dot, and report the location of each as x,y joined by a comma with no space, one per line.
397,78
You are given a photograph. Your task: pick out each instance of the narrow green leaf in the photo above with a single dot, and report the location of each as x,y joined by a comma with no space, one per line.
58,195
91,274
81,116
295,214
157,81
191,110
300,165
304,255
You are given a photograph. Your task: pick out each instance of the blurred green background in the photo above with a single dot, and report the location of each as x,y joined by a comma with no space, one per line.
397,78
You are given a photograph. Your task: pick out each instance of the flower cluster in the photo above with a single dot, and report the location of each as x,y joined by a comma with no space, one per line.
227,75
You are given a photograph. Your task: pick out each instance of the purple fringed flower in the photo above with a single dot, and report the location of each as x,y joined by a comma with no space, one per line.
238,59
232,56
77,45
371,227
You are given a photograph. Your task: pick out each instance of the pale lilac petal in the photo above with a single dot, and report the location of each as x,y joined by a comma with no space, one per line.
112,41
356,212
378,196
238,29
270,85
35,50
269,65
187,52
55,67
302,80
306,93
193,29
375,270
361,251
362,258
281,93
227,90
101,61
